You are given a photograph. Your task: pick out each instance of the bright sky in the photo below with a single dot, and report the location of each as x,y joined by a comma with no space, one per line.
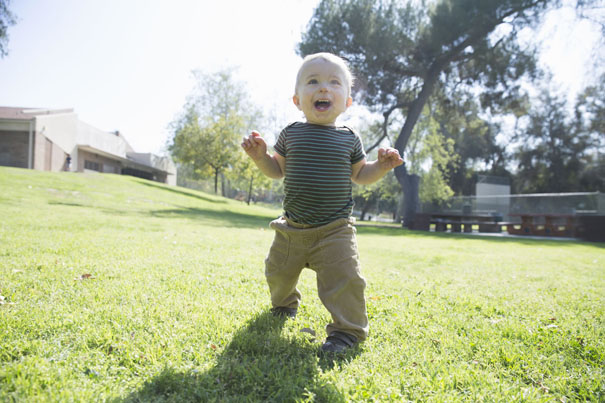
126,64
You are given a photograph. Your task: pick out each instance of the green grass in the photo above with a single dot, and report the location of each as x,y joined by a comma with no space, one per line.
175,307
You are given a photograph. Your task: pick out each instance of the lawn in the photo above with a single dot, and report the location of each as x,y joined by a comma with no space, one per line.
114,288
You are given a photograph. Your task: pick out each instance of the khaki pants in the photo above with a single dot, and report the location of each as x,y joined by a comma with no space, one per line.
331,251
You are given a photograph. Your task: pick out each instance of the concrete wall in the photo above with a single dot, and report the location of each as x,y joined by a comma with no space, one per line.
106,165
47,155
59,128
162,163
39,151
55,136
109,142
59,159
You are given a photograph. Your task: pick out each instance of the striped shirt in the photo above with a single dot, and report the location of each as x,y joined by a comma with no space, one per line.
317,182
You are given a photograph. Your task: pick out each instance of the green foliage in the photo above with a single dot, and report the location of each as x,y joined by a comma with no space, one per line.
554,150
247,176
475,144
176,306
215,117
400,53
590,109
590,119
430,155
379,197
7,18
383,195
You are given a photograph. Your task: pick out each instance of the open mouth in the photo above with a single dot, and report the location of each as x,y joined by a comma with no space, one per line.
322,104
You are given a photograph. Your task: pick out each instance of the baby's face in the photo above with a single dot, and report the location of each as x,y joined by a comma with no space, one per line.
322,92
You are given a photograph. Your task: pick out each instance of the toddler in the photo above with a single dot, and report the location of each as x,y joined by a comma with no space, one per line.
318,160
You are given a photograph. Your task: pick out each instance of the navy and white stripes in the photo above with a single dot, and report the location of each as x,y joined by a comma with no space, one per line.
317,180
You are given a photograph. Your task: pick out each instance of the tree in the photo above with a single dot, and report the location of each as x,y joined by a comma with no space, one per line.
210,148
378,197
6,20
402,53
474,141
590,118
215,117
253,180
430,154
553,149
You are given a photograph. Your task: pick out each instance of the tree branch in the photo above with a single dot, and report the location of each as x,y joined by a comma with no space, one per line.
385,123
480,33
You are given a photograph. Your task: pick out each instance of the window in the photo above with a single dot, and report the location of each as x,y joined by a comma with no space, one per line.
95,166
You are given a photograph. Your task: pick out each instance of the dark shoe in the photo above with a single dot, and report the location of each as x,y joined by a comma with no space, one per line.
283,312
339,342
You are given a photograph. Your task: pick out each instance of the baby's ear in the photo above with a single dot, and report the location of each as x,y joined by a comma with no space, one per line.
296,101
349,101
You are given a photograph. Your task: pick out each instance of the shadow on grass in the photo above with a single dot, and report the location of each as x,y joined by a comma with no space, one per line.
68,204
224,218
258,365
189,193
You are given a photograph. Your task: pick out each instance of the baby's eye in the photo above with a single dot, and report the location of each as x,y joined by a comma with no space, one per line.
312,81
335,82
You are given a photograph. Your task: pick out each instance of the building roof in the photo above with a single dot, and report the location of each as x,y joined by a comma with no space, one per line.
20,113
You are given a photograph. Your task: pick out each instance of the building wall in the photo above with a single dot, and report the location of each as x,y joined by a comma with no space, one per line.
60,128
163,163
93,162
59,159
109,142
47,155
59,134
14,147
39,151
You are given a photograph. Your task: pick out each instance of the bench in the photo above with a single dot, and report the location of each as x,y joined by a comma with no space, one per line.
465,222
441,225
557,225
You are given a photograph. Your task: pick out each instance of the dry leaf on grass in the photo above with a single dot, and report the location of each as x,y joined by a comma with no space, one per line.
85,276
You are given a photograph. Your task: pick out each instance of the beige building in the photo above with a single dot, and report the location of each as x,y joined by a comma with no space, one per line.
56,140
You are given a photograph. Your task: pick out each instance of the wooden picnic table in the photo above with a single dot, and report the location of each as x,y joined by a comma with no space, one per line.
543,224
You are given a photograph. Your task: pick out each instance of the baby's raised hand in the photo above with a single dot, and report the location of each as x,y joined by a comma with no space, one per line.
389,158
254,145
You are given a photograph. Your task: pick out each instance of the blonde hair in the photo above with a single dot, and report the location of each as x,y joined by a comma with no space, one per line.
329,57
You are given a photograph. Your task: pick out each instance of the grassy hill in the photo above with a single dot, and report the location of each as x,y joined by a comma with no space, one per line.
117,288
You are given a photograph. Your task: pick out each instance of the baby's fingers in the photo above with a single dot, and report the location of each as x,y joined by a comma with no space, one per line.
246,143
250,141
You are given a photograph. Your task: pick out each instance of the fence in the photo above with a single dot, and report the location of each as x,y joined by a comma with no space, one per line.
592,203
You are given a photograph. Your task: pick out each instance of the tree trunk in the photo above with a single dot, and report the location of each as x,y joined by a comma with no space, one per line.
416,109
410,183
364,211
250,190
216,172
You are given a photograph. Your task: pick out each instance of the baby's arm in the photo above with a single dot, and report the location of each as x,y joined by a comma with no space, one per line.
365,173
256,148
